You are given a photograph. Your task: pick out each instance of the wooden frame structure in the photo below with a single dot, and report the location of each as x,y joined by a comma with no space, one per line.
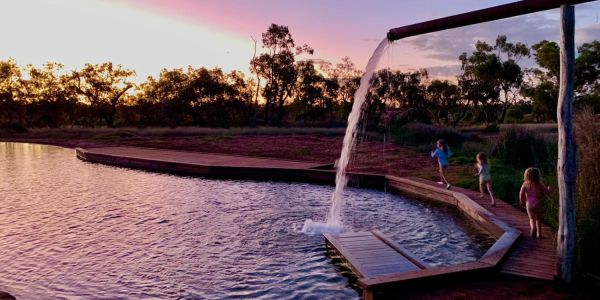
479,16
567,161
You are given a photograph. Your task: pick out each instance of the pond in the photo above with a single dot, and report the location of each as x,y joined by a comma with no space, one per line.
76,230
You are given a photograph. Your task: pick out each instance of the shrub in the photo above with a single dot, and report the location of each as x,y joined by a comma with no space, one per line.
522,148
419,134
513,115
587,128
14,128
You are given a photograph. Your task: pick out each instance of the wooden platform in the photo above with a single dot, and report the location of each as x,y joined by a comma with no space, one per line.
199,158
530,257
371,254
375,259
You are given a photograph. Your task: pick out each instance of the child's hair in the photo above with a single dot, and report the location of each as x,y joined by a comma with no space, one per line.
482,157
444,145
532,175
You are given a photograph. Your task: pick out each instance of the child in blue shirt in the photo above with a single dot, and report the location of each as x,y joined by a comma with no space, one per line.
442,152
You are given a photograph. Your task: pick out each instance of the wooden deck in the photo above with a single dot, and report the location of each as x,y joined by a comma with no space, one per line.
377,260
371,254
203,159
530,257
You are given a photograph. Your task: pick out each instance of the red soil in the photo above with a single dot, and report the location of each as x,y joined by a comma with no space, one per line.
369,156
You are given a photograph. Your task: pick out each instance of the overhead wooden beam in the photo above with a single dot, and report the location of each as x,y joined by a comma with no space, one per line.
567,161
479,16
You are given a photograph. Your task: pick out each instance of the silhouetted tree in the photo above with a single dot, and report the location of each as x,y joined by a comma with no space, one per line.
490,80
11,109
542,88
104,87
348,78
314,94
587,76
443,101
51,99
278,69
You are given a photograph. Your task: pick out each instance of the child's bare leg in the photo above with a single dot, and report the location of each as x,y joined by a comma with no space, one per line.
491,192
531,215
442,175
538,227
531,227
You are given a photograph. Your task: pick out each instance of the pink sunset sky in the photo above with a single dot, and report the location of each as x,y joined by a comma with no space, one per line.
149,35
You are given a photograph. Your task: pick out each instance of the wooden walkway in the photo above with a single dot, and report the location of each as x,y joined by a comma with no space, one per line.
201,159
377,260
530,257
371,254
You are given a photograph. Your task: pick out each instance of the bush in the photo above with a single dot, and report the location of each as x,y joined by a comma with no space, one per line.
587,128
14,128
522,148
419,134
513,115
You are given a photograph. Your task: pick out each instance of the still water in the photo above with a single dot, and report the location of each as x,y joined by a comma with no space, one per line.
76,230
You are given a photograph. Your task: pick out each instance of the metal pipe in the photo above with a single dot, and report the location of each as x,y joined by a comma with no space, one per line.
478,16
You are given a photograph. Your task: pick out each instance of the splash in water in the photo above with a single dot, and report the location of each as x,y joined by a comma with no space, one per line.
334,220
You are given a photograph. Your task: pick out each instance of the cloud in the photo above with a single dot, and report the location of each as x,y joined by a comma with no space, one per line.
444,71
587,34
370,40
449,44
446,46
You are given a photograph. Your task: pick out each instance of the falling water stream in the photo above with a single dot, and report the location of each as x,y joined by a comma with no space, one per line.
334,221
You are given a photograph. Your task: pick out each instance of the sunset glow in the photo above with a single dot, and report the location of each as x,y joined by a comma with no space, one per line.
150,35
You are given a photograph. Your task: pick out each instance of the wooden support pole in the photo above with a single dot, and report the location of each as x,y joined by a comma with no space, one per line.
567,162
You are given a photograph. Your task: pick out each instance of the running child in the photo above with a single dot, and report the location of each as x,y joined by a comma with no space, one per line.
530,196
442,152
485,177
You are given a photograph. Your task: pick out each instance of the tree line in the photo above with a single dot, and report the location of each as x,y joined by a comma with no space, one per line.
286,87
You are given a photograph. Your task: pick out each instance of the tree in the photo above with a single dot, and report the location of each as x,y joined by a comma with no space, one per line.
348,81
11,110
492,77
164,99
402,92
587,76
443,97
104,87
543,87
218,99
51,99
314,94
278,69
200,97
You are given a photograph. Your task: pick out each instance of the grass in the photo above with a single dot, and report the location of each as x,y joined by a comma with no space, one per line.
587,247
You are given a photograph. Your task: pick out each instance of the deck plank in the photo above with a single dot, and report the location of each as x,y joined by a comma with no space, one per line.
200,158
371,256
530,257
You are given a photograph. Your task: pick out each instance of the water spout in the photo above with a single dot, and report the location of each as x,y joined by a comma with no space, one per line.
334,218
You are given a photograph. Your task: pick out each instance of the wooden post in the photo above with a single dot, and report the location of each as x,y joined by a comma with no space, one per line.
567,163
